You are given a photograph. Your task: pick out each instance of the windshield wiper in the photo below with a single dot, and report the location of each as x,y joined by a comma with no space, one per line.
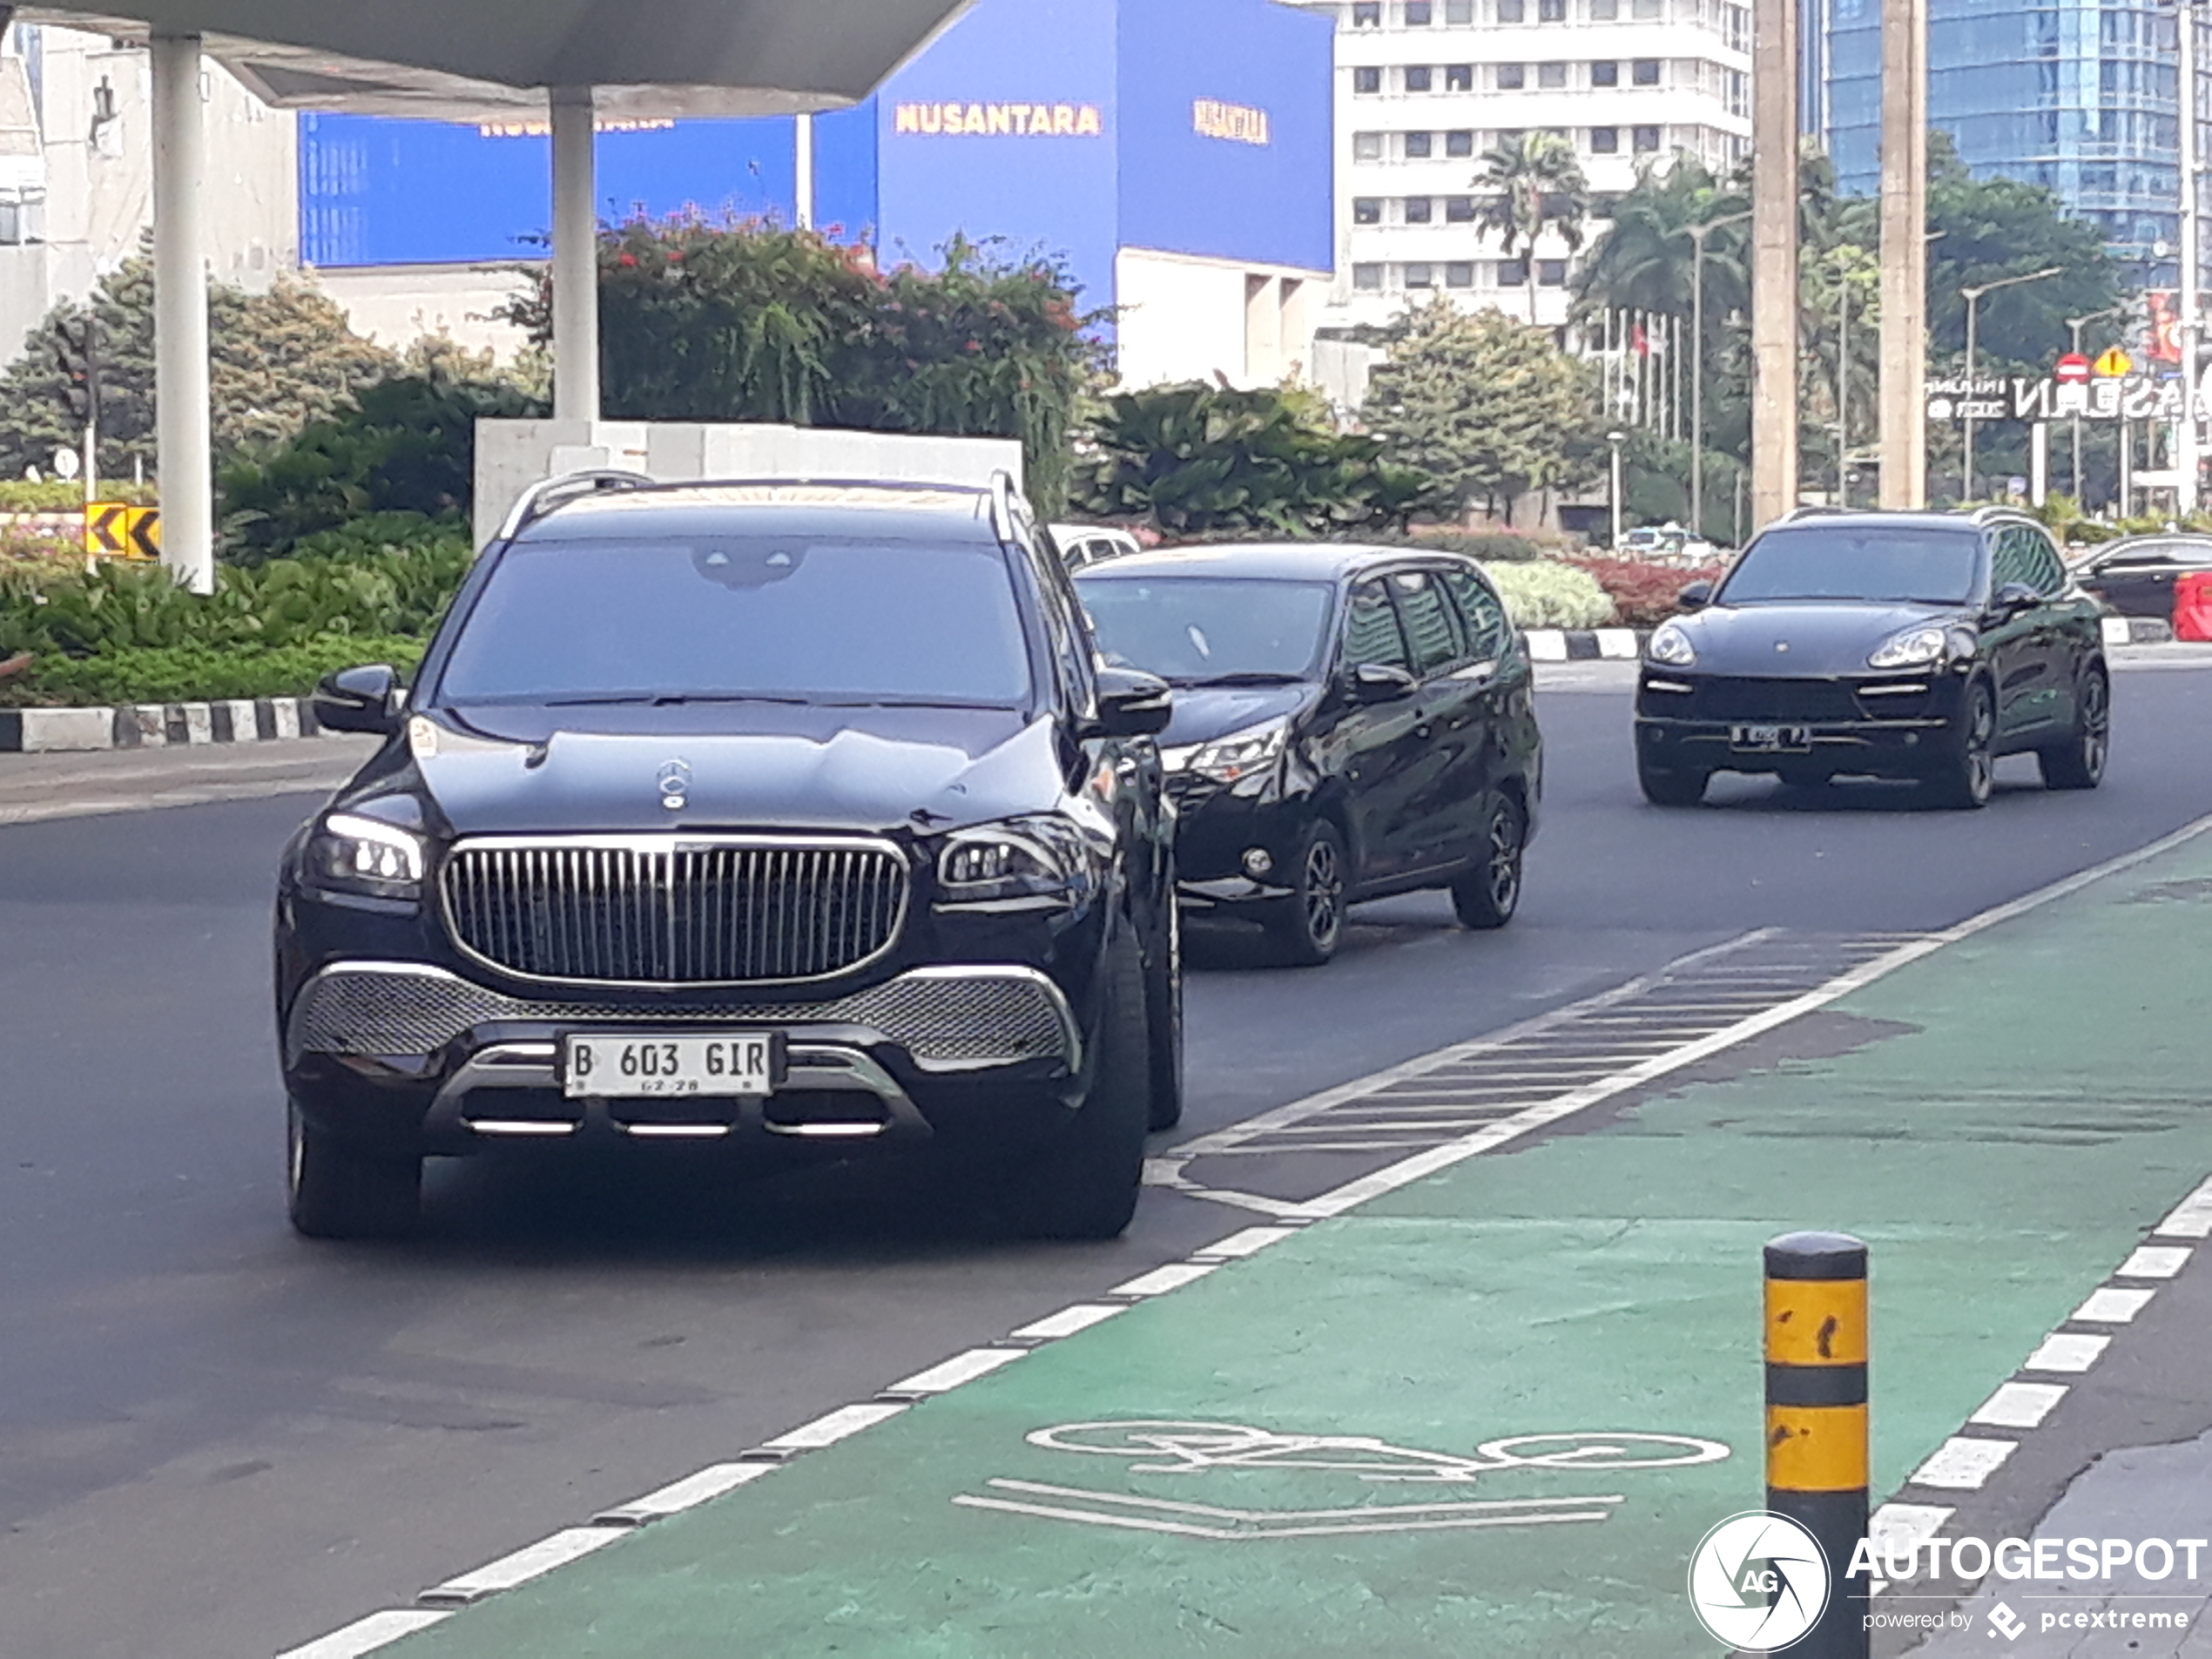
1250,677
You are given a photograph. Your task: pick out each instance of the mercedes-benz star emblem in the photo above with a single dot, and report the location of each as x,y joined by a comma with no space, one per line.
674,784
1782,644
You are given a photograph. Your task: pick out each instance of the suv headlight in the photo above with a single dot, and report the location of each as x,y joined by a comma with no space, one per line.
1032,863
1240,754
1914,648
350,853
1670,646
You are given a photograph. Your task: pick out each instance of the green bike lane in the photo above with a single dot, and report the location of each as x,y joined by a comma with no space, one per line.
2002,1121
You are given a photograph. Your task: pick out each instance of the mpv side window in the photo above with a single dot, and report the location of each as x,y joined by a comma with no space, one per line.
1431,625
2049,578
2013,559
1371,633
1071,652
1487,630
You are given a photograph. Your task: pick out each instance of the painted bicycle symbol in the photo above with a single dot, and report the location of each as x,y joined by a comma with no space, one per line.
1166,1447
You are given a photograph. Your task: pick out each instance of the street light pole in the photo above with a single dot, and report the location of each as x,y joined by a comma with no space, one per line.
2074,326
1697,234
1614,439
1843,386
2185,455
1775,208
1973,296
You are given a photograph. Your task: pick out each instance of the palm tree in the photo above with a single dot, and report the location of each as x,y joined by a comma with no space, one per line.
1534,184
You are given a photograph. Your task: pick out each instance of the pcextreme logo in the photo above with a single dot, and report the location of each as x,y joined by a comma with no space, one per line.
1759,1581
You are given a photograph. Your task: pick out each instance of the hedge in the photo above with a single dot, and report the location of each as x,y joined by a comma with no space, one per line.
1543,593
199,674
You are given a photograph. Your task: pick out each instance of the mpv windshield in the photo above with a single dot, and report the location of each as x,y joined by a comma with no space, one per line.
1199,631
1888,563
781,617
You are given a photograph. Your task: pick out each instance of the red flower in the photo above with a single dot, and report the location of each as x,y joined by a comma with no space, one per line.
676,257
628,261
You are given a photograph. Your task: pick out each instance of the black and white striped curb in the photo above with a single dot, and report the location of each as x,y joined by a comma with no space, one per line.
154,725
1626,644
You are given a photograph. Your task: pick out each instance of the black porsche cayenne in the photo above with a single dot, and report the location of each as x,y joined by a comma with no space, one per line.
766,814
1350,722
1916,646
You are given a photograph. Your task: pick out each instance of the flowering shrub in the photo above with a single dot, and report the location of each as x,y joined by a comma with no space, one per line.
1546,593
1645,594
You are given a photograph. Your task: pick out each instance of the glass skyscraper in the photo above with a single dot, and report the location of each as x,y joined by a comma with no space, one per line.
2079,96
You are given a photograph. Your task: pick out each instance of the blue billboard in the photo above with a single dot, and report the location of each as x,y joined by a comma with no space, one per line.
1228,154
1073,127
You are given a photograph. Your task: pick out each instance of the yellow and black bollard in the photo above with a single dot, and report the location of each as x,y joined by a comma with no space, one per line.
1816,1417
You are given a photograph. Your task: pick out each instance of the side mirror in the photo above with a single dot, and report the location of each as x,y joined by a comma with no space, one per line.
1695,597
360,699
1380,682
2014,597
1132,703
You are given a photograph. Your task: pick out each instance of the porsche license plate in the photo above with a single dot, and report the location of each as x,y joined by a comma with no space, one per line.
1770,739
639,1065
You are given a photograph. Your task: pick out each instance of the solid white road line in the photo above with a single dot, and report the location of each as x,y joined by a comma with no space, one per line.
366,1636
534,1560
2019,1404
687,1493
951,1373
2067,1350
2112,1306
2154,1261
1961,1464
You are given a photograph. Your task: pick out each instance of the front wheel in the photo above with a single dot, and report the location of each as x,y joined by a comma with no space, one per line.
1309,924
1164,1013
1487,895
337,1190
1084,1183
2079,762
1968,775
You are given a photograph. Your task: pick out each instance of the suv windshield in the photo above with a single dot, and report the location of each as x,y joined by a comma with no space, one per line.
770,616
1197,631
1895,563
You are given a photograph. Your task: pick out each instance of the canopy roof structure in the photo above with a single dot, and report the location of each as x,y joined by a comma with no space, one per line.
491,59
575,61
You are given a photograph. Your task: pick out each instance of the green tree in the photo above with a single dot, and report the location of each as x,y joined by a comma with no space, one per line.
1490,408
279,360
1533,184
1194,459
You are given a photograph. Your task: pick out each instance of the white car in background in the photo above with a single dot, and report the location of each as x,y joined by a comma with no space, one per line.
1083,545
1667,544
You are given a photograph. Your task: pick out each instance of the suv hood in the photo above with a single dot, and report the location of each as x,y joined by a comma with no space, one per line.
856,770
1202,713
1797,641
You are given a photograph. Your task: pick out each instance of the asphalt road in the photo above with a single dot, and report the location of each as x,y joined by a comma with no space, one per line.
216,1439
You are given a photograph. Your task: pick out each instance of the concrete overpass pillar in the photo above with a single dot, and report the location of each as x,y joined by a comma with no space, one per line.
183,401
576,257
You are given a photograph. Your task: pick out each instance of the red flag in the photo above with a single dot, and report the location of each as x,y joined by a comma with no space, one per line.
1640,343
2165,328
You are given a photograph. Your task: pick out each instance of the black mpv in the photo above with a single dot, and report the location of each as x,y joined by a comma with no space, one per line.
1916,646
782,814
1350,722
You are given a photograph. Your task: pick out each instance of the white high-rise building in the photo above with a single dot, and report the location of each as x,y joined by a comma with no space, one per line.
1426,88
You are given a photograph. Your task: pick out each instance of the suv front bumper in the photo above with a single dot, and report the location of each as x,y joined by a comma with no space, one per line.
412,1052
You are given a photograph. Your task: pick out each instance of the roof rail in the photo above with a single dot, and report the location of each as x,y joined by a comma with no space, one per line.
1812,511
547,494
1004,507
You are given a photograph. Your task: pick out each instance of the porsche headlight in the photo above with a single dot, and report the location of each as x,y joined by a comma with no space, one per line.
1019,863
1240,754
1670,645
1914,648
350,853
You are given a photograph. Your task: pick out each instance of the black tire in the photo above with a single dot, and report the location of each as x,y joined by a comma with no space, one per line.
1487,895
1308,925
2079,762
1084,1183
1667,786
336,1189
1967,777
1163,1014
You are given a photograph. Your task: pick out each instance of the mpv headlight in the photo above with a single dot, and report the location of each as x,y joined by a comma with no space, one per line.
350,853
1670,645
1229,759
1020,863
1914,648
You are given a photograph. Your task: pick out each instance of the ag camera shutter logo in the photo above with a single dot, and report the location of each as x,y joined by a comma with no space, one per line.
1759,1581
